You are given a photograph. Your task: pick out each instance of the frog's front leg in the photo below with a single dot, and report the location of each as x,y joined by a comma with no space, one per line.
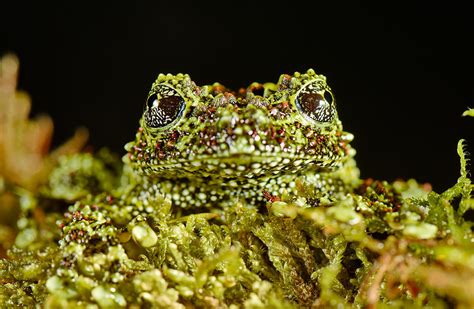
330,186
316,186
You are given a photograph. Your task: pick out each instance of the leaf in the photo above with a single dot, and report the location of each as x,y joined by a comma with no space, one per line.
469,112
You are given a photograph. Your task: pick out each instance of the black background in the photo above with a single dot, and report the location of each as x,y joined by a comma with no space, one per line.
402,75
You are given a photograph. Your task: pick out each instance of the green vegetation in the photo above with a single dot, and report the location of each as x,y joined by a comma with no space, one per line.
69,239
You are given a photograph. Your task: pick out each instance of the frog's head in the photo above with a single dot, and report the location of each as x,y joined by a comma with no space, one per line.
188,131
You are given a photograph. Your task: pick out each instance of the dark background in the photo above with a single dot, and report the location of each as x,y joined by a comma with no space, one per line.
402,75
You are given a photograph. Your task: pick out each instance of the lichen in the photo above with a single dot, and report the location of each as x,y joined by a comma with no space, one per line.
79,242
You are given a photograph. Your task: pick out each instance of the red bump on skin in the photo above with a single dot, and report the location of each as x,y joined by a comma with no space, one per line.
272,133
174,135
270,197
427,187
344,147
218,89
285,82
197,91
76,215
228,96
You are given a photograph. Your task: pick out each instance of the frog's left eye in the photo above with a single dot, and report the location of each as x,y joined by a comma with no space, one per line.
316,102
163,107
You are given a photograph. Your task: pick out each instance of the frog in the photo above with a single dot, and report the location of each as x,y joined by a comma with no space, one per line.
210,146
199,212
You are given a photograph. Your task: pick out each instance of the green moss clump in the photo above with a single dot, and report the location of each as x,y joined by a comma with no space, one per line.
393,244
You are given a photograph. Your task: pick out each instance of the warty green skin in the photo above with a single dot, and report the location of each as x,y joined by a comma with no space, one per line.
227,146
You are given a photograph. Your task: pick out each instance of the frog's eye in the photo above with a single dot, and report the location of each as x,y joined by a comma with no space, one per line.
316,103
163,107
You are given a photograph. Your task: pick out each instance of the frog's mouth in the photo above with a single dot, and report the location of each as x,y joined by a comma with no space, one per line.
241,166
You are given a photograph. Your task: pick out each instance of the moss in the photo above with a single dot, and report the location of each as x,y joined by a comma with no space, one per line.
113,254
79,242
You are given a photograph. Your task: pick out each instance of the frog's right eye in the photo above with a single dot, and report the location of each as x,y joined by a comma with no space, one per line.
164,107
316,103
